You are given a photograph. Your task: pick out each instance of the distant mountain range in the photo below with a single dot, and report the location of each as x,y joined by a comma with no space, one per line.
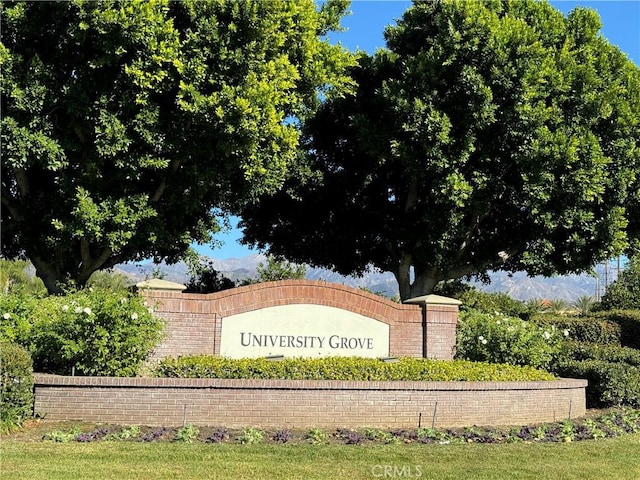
518,285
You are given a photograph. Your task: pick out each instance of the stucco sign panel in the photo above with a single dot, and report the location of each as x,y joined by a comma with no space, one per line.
303,330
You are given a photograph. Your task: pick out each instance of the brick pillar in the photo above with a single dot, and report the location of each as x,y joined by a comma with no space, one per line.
439,319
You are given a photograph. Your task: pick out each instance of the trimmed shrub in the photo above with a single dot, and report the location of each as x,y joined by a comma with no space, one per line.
609,383
628,321
344,368
581,329
500,339
16,386
607,353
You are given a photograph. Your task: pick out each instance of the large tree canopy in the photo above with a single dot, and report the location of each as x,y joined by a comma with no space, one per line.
127,126
488,136
633,217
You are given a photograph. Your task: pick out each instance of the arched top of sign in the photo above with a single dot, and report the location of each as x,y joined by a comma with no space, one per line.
287,292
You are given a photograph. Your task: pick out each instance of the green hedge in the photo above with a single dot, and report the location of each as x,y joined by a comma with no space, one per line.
620,327
344,368
609,383
582,329
607,353
628,322
16,386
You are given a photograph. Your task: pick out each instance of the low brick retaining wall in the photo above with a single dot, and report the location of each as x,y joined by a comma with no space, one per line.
305,404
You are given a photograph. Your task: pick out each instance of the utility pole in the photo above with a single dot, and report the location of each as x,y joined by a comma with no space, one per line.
618,271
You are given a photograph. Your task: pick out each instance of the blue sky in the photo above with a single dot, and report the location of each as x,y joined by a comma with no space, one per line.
621,22
365,26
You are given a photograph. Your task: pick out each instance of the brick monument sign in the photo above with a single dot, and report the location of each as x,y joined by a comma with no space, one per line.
305,319
301,318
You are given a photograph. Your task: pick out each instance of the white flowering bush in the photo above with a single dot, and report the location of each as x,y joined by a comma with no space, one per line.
89,332
497,338
16,317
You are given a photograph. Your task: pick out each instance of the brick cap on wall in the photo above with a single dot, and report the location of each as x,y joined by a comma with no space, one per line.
155,382
433,300
158,284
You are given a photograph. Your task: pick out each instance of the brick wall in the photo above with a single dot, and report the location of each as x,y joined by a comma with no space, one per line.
440,328
194,321
305,404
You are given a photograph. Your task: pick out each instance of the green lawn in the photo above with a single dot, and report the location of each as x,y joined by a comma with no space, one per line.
604,459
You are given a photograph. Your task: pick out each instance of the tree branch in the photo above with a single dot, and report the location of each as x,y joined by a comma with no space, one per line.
79,134
15,212
173,168
91,264
412,196
85,254
476,219
22,181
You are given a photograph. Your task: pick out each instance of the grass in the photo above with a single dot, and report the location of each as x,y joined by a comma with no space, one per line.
613,458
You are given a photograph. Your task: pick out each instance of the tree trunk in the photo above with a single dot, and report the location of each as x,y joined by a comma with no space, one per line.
423,283
57,275
52,279
403,277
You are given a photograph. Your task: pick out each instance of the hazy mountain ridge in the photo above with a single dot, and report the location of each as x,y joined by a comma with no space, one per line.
518,285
